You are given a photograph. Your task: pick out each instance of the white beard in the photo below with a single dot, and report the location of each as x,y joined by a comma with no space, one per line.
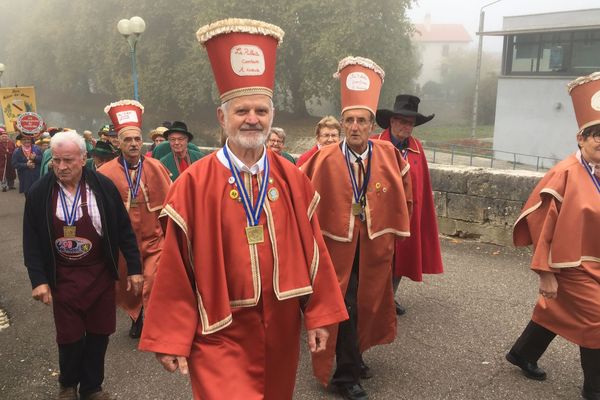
249,141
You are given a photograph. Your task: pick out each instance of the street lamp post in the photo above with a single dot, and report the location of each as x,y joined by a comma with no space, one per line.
478,70
132,29
2,68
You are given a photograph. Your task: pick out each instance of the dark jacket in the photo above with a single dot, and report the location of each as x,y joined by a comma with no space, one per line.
38,235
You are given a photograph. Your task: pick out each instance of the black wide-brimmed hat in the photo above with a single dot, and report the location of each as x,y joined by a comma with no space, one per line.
178,127
103,150
406,105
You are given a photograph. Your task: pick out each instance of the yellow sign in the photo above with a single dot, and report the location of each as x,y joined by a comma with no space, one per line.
16,101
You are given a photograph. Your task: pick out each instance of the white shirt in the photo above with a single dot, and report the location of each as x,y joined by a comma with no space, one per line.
92,207
253,170
364,156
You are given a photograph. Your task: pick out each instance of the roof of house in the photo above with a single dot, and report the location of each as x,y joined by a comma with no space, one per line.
441,33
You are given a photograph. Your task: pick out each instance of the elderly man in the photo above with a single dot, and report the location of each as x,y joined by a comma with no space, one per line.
90,142
102,153
156,135
243,254
180,157
143,184
276,143
7,172
420,254
371,192
327,132
74,225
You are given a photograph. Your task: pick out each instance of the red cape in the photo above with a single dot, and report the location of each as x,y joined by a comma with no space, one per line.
420,253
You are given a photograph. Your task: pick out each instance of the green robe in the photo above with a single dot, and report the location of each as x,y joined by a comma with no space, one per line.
89,163
288,157
169,162
164,148
46,158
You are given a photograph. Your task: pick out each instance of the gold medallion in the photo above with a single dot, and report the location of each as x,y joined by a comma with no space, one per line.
273,194
255,234
69,231
133,203
271,181
378,186
234,194
356,209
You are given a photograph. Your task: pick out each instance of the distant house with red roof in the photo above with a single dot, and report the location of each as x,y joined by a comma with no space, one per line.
435,43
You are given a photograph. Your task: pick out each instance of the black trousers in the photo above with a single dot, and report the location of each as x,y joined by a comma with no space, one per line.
534,341
347,354
82,363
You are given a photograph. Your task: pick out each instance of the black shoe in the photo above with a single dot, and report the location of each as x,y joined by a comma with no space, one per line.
531,370
588,395
399,309
365,371
136,327
352,391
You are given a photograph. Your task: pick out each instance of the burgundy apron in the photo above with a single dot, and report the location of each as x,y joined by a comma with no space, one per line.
84,297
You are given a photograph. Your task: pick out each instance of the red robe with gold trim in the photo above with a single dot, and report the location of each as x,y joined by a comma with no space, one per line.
387,212
420,253
561,220
232,308
144,221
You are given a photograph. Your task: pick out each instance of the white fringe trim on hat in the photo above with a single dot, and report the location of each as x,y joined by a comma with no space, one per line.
365,62
242,25
124,103
583,79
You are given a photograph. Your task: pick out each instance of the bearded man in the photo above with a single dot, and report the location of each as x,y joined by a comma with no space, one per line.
243,257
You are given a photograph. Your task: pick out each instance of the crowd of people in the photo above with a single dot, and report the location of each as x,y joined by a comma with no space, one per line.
220,258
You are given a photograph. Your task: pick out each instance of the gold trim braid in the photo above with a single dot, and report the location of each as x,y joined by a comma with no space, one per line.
246,91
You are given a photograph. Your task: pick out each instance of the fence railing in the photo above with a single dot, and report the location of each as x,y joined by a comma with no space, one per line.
454,154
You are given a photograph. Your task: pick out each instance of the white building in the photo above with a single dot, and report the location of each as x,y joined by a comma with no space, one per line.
436,42
542,53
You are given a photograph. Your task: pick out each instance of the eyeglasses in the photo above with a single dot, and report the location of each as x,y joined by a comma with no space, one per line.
360,121
329,135
276,141
596,137
178,139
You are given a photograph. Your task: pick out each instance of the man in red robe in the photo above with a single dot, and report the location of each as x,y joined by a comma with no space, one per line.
327,132
143,184
243,257
7,172
561,219
420,254
368,186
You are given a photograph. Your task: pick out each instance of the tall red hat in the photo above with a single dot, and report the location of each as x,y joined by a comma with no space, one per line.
360,83
242,54
585,94
125,113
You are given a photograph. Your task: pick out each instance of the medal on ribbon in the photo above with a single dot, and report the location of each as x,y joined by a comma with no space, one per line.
133,188
69,215
358,206
254,232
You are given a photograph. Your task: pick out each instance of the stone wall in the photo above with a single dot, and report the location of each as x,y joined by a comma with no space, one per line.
480,203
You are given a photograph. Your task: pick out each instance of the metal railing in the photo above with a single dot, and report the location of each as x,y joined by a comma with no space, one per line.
454,154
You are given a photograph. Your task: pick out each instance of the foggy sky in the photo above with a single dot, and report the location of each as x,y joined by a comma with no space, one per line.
466,12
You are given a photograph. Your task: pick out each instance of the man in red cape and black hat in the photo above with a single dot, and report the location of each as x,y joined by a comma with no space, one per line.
420,253
243,258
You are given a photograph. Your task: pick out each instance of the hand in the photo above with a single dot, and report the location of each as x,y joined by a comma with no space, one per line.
42,293
317,339
548,285
171,363
135,282
30,164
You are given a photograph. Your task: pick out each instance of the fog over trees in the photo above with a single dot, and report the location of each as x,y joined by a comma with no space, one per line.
73,54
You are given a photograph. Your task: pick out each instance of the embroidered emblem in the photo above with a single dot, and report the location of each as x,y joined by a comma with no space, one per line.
73,248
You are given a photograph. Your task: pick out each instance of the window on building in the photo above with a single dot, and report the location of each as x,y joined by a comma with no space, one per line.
445,50
553,53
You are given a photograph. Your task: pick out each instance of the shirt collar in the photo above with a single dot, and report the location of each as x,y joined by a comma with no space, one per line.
353,158
253,170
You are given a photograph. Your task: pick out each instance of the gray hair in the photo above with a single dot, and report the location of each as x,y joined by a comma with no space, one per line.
279,132
64,137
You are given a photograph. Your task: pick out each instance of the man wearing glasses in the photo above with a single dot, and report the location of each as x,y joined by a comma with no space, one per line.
180,157
327,132
368,181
